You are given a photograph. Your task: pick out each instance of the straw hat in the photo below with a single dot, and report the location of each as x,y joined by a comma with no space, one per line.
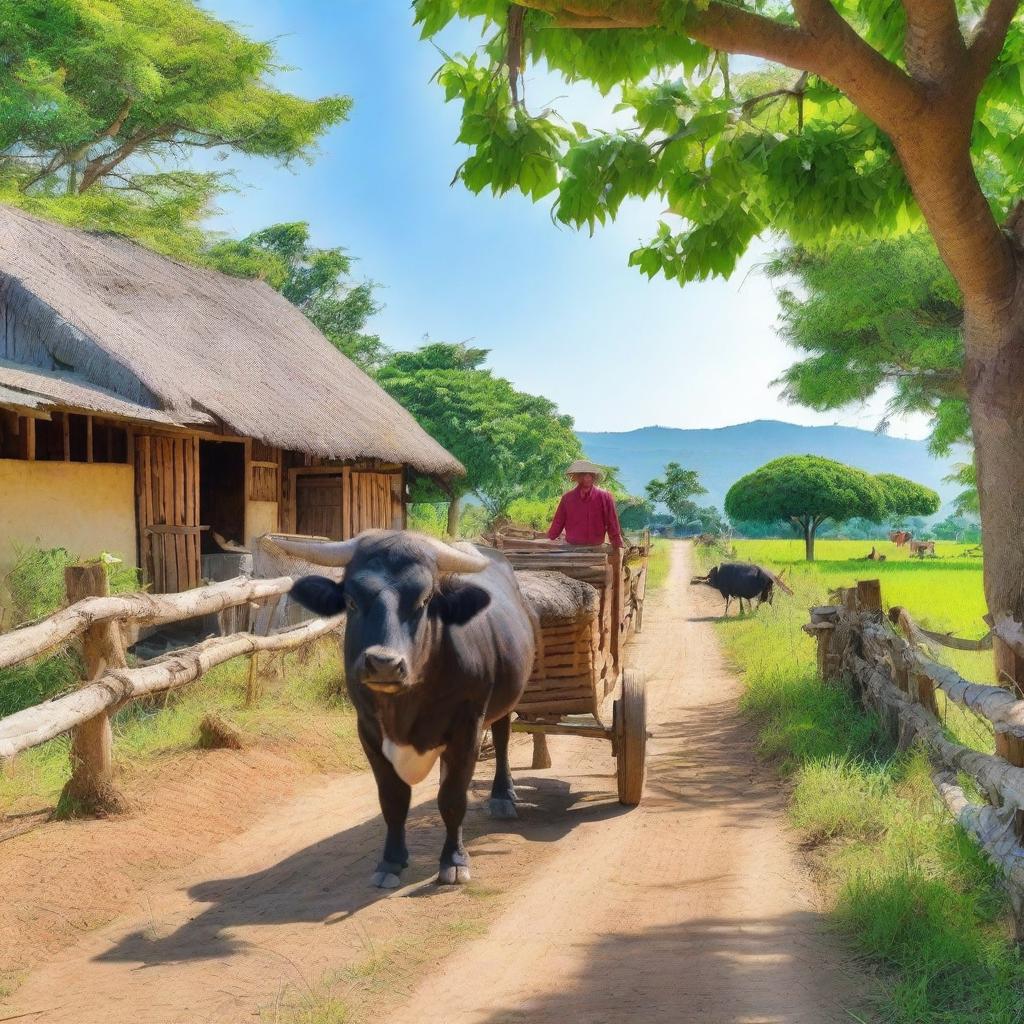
582,466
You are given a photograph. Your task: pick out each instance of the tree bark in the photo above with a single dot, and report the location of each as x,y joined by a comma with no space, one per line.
808,526
454,514
995,385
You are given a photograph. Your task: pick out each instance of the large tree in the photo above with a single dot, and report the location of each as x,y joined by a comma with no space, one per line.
513,444
891,115
318,281
805,490
875,316
104,102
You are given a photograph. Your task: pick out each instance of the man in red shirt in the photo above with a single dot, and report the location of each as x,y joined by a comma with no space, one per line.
586,513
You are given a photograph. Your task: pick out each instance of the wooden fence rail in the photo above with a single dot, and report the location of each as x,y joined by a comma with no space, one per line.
891,673
96,618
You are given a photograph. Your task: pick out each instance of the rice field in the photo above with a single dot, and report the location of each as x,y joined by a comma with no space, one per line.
944,593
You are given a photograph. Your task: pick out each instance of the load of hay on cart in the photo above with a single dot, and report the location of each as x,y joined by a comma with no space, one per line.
589,601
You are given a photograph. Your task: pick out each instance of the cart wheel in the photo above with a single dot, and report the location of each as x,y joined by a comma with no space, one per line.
630,721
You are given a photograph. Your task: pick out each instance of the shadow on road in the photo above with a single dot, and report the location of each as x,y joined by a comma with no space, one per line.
712,970
329,881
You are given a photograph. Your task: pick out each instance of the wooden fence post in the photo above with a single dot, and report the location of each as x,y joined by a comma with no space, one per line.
1009,664
1010,747
91,786
922,690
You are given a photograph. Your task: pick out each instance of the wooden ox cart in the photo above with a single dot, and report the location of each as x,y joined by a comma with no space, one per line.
589,600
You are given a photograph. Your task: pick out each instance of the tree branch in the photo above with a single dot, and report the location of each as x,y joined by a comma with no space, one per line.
824,44
933,45
988,39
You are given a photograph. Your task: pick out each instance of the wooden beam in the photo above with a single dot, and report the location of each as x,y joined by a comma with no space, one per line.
35,725
27,642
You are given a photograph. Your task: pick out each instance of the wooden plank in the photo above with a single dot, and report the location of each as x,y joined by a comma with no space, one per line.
192,539
397,499
348,521
178,496
594,731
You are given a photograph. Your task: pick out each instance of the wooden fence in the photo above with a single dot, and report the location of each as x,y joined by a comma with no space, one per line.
887,663
97,619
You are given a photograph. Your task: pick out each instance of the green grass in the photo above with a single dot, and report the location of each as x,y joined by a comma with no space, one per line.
658,563
302,708
909,888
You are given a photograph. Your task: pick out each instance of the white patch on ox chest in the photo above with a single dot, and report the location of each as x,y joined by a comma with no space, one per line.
410,765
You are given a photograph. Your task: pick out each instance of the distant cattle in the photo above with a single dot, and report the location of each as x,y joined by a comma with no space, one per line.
742,580
922,548
900,537
433,655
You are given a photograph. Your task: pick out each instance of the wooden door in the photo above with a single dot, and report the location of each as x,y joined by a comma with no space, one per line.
167,497
319,506
377,501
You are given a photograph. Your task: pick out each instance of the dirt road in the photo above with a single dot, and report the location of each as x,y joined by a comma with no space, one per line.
693,907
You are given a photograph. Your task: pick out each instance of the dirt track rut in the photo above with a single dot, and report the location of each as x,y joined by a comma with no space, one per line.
693,907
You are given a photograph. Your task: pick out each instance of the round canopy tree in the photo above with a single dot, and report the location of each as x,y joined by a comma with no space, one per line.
805,490
905,498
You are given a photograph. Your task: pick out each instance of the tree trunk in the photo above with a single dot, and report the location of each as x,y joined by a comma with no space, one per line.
454,514
809,529
994,374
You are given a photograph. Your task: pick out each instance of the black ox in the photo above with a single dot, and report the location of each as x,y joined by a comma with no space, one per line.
742,580
433,655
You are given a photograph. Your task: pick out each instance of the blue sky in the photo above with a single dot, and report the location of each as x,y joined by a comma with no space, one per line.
561,312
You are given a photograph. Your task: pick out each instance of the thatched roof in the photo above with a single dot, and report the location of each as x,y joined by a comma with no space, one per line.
192,344
31,388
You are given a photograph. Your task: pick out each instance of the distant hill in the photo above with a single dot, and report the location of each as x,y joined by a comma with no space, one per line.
724,454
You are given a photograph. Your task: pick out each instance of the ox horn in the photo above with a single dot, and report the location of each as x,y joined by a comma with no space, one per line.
456,557
317,552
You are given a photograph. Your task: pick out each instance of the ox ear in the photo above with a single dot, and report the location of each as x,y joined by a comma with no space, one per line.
456,605
319,594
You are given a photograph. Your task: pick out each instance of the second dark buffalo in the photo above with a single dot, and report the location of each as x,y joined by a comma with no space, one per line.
742,580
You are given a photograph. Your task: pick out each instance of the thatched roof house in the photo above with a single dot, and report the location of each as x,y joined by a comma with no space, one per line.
196,403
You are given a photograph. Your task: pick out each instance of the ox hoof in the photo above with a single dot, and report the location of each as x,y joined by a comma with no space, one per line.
456,873
386,876
503,810
453,874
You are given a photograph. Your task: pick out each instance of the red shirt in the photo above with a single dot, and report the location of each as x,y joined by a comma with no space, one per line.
586,516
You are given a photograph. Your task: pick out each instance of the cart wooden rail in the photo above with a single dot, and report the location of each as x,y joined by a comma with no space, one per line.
579,661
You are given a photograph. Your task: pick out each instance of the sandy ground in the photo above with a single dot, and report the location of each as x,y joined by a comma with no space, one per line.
694,907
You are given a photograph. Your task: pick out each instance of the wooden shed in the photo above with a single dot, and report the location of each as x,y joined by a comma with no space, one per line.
147,406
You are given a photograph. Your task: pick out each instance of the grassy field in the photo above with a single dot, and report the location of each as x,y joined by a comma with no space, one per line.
912,893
